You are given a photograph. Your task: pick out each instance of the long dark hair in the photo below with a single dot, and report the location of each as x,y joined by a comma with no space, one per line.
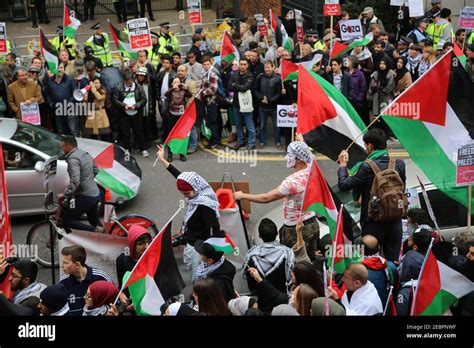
210,297
306,272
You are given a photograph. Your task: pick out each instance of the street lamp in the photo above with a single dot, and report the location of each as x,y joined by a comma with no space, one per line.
237,15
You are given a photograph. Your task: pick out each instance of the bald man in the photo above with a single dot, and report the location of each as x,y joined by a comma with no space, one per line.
361,297
382,273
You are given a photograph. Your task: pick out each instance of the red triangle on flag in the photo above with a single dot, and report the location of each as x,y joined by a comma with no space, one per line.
427,98
338,48
429,284
287,67
184,125
105,159
314,105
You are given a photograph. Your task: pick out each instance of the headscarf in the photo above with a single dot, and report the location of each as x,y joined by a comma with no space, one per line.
135,232
205,195
204,269
284,310
382,74
401,72
300,151
238,306
102,293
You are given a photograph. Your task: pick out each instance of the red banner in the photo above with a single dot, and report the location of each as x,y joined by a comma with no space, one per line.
299,25
194,11
5,228
262,28
3,38
332,10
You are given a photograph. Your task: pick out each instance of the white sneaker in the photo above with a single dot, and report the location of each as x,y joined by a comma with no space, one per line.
145,153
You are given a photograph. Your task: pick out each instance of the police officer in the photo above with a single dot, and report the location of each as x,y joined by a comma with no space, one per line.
61,41
153,52
167,40
418,34
313,39
440,30
100,44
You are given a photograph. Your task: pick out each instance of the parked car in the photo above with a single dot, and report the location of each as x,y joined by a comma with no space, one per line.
26,147
450,215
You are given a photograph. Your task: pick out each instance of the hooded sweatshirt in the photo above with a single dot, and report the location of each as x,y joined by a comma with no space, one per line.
126,262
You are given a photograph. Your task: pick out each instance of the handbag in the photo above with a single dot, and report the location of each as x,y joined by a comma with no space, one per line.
245,101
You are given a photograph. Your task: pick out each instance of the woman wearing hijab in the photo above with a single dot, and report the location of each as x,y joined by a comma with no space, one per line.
98,298
202,211
403,77
382,86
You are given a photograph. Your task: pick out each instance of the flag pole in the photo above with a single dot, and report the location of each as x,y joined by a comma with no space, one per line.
330,35
306,188
469,196
146,250
394,101
326,294
419,277
334,243
428,204
388,300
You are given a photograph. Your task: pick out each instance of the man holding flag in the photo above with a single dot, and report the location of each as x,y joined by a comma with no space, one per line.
292,190
360,179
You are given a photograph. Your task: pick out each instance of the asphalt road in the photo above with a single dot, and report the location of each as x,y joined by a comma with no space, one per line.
159,198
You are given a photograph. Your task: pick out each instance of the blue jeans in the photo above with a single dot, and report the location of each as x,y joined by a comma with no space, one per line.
193,139
247,119
263,126
68,125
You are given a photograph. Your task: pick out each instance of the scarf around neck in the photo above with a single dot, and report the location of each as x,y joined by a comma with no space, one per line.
27,292
373,156
203,270
413,62
95,312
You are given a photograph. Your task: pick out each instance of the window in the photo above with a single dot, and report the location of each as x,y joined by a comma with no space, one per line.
447,211
38,138
16,158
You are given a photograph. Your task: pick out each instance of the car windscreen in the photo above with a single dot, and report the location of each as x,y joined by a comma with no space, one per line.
38,138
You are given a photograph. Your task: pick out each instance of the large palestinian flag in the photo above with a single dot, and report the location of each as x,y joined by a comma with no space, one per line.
118,170
178,139
433,118
229,51
122,42
49,53
439,287
155,278
327,119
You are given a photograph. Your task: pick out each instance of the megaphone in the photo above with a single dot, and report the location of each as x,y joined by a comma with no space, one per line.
80,93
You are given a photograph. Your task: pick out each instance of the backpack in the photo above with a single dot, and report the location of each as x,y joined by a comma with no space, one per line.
388,201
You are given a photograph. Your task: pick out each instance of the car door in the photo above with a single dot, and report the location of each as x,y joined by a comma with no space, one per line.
25,186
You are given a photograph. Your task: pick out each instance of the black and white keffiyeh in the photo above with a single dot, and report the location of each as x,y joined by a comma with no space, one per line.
33,289
203,270
300,151
205,195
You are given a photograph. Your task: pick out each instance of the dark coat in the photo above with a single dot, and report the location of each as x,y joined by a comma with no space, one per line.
224,277
346,88
270,87
140,97
240,83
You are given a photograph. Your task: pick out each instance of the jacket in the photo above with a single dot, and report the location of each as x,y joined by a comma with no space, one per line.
159,81
270,87
177,100
224,277
382,274
269,296
240,83
15,95
363,180
59,92
119,96
101,51
381,96
168,44
359,88
82,171
346,84
409,269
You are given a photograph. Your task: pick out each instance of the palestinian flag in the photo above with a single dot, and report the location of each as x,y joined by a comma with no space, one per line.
70,24
229,51
459,54
118,170
49,53
433,126
226,245
327,119
122,42
5,226
281,35
289,69
341,49
178,138
320,199
155,277
439,287
205,131
341,252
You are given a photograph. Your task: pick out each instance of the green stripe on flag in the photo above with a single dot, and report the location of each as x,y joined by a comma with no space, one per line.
320,209
229,58
179,146
114,184
440,303
69,32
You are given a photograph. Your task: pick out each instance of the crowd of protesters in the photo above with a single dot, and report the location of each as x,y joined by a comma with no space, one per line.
285,276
